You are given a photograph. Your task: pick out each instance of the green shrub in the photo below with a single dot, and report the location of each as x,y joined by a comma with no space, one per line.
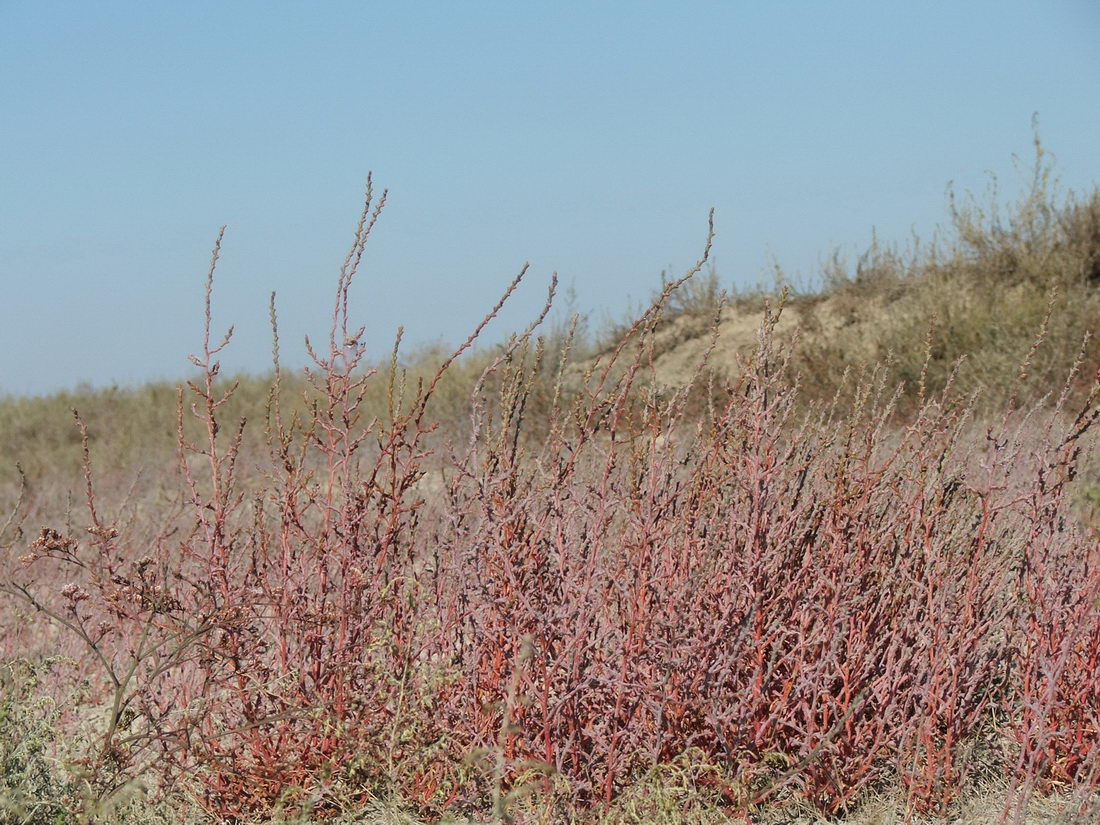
33,791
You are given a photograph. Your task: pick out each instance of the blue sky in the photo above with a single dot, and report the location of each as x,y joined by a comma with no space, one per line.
587,138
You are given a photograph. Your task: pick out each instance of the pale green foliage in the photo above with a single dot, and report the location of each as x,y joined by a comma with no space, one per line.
33,789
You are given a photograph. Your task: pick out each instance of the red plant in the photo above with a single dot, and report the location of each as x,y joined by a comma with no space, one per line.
613,574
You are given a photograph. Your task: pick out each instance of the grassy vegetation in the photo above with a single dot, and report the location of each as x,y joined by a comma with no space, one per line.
838,567
984,287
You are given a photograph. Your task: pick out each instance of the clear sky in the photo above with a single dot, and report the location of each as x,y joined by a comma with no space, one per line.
589,138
